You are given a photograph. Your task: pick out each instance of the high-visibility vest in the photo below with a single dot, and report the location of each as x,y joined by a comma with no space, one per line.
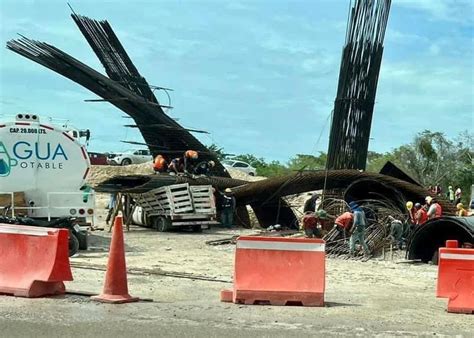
423,216
159,163
439,210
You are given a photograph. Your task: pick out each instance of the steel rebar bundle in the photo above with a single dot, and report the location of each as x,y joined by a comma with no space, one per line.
172,141
378,229
358,77
112,55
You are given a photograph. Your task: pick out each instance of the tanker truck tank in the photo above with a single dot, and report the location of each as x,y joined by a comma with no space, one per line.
47,162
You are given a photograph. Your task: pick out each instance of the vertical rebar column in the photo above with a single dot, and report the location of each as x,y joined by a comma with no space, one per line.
358,77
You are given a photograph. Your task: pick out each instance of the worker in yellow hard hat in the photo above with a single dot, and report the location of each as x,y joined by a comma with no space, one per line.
411,212
461,211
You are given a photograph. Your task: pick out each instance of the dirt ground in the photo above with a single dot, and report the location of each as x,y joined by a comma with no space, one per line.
375,298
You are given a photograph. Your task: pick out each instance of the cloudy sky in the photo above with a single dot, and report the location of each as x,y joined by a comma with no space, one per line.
260,76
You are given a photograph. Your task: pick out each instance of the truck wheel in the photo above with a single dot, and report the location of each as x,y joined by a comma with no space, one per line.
197,228
162,224
82,238
73,244
126,161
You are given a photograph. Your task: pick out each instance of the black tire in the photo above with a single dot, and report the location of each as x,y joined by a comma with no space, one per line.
251,174
162,224
73,244
434,259
82,236
126,161
197,228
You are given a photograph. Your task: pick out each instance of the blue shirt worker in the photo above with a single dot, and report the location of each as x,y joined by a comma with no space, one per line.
359,226
228,207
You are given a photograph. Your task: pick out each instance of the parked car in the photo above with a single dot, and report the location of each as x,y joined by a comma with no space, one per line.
130,157
98,158
239,165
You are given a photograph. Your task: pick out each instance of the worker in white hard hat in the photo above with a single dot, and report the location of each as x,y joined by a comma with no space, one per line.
227,208
451,194
435,209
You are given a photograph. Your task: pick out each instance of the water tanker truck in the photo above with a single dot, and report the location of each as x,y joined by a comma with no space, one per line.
47,163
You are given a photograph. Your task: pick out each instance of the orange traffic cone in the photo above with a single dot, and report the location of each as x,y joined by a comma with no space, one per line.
115,287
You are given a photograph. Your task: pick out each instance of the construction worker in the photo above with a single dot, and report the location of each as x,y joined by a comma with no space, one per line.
411,212
358,229
451,194
189,157
435,209
204,168
461,211
312,223
396,231
343,223
310,203
457,196
420,215
228,206
176,166
159,164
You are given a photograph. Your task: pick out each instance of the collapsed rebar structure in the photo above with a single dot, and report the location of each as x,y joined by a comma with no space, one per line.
358,77
125,88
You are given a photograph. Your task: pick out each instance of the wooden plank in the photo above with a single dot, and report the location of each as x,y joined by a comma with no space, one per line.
182,204
180,193
201,194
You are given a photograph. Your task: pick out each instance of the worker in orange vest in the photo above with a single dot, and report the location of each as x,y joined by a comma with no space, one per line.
435,209
159,164
311,223
190,157
343,223
420,215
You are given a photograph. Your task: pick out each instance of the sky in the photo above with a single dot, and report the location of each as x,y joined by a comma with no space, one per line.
259,76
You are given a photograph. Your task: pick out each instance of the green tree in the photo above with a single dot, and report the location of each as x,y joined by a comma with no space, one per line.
218,151
375,161
433,159
308,162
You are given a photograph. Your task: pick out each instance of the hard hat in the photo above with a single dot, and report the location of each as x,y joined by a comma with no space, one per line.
212,163
417,205
428,199
450,187
191,154
227,190
409,205
322,214
459,206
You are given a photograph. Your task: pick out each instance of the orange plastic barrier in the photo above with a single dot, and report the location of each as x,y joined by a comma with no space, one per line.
34,261
456,277
116,286
278,271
